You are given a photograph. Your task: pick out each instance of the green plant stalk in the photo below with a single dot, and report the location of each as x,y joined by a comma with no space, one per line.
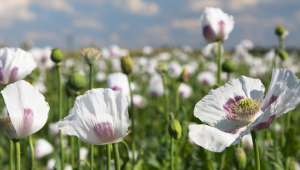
73,155
60,111
78,153
116,156
18,154
172,154
219,62
256,151
91,86
31,165
131,112
108,155
11,155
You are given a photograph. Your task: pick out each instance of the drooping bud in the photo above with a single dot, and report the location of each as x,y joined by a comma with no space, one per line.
229,66
90,54
246,109
127,64
282,54
241,158
281,31
57,55
175,129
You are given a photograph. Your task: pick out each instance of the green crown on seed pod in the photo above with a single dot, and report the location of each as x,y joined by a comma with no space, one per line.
57,55
229,66
90,54
175,129
280,31
241,157
282,54
127,64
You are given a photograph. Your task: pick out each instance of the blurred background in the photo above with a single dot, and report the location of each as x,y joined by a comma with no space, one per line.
71,24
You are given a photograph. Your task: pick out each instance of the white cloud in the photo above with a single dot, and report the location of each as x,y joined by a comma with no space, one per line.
140,7
235,5
57,5
14,10
190,24
87,23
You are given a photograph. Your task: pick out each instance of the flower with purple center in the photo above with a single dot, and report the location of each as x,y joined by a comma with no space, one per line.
216,25
15,64
119,82
233,110
98,117
26,110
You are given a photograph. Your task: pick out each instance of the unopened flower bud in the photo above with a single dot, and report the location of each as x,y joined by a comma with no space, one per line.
281,31
127,64
57,55
229,66
76,82
162,68
241,157
291,164
184,77
90,54
175,129
282,54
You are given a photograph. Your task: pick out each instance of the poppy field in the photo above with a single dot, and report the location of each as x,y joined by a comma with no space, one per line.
111,108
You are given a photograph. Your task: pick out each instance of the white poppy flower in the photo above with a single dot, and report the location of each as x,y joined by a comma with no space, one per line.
15,64
216,25
138,101
185,91
83,153
206,78
42,148
27,110
51,164
156,87
42,56
118,81
174,69
98,117
233,110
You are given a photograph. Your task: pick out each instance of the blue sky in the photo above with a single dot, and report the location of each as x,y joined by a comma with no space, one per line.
136,23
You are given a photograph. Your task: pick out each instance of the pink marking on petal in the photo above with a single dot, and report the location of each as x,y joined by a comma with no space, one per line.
265,124
104,131
1,75
208,33
116,88
222,29
27,120
271,101
229,105
13,74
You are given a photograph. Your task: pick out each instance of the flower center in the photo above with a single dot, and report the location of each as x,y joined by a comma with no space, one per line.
245,109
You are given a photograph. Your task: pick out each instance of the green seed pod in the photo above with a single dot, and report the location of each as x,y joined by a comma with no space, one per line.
162,68
229,66
282,54
184,76
127,64
175,129
75,83
241,157
90,55
280,31
56,55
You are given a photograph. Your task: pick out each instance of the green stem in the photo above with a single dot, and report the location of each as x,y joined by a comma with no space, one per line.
131,112
73,155
11,154
108,155
256,151
91,76
31,153
116,156
92,157
18,154
219,62
223,161
60,111
78,153
172,154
